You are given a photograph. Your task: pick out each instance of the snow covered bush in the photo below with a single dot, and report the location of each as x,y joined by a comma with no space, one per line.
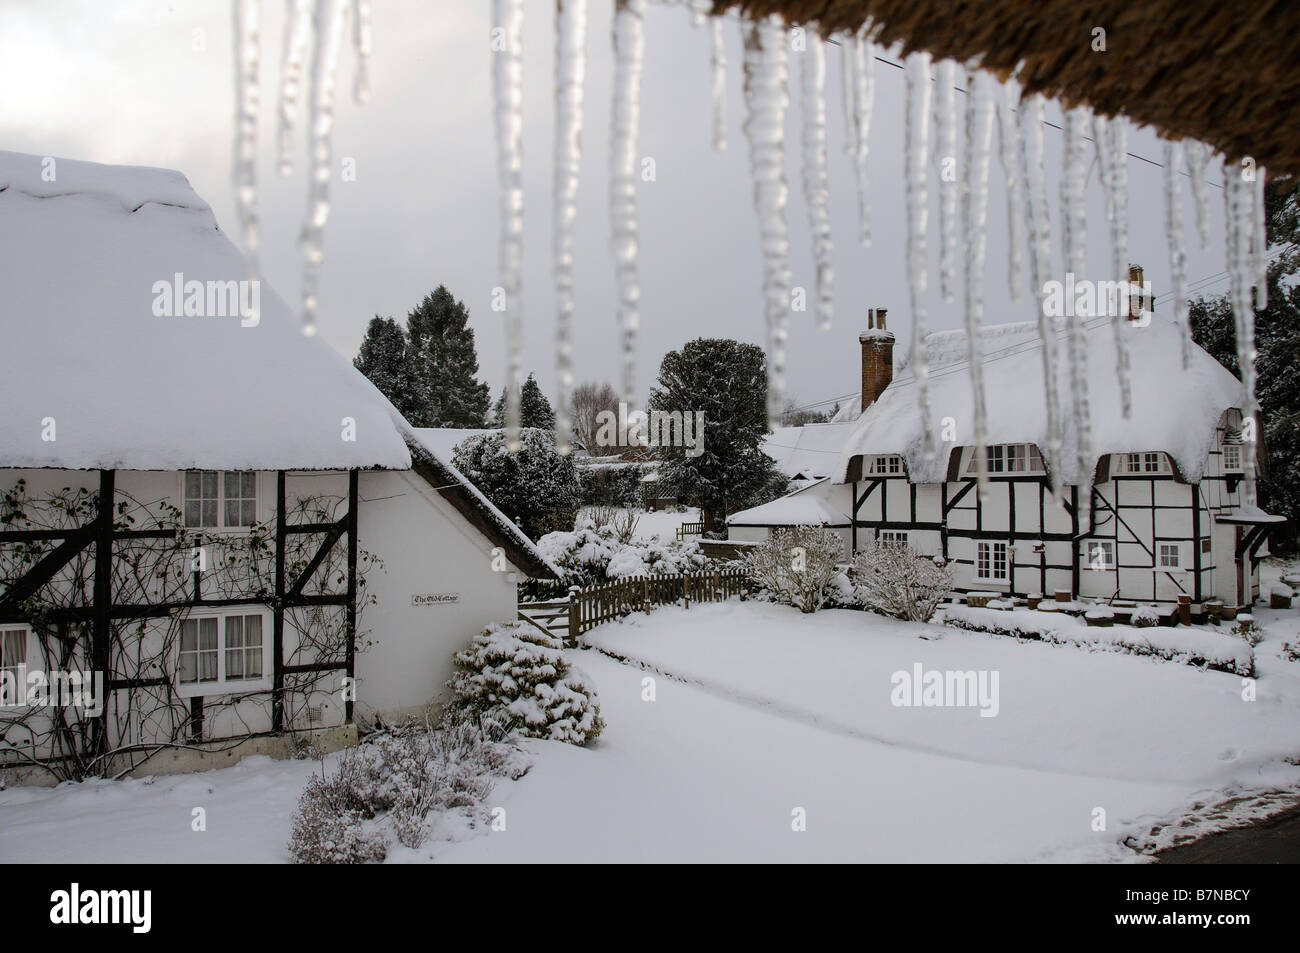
536,487
896,580
1144,617
796,565
516,675
1247,628
591,555
395,779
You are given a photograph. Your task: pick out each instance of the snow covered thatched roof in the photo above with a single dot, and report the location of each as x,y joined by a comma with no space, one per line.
1174,410
800,508
81,248
809,451
1221,72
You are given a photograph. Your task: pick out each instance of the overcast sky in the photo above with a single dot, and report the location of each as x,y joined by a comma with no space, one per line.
149,82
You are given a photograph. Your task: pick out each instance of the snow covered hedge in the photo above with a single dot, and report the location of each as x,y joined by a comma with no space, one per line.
515,675
536,487
591,555
898,581
797,565
393,782
1214,650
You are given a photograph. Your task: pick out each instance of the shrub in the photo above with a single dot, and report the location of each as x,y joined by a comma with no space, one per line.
612,484
1247,628
537,487
898,581
797,565
591,555
516,675
399,777
1144,617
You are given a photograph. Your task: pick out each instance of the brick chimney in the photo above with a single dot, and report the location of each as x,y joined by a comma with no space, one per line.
1136,301
877,357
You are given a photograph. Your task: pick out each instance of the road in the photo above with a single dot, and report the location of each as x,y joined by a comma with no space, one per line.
1274,840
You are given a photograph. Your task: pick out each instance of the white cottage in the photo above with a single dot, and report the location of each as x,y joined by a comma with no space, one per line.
218,518
1155,512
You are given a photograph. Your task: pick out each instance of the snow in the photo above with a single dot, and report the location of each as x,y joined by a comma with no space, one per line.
79,257
1178,410
811,450
801,508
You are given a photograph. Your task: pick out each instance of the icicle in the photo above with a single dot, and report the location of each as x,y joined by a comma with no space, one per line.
361,43
570,79
1177,253
699,10
508,103
1239,202
766,100
719,86
916,172
864,91
848,87
816,181
979,138
297,39
1040,264
1112,157
1259,241
1198,161
945,121
1074,238
629,44
248,45
1007,152
330,23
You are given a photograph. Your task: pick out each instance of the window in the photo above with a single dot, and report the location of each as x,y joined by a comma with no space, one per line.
1010,458
1143,463
1101,554
1232,458
215,498
991,561
1205,545
1169,556
881,466
223,650
894,536
13,664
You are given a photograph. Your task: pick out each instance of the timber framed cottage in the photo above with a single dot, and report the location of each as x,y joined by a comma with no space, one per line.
1154,513
215,534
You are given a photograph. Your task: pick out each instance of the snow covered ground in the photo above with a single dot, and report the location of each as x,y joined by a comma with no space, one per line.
663,524
760,712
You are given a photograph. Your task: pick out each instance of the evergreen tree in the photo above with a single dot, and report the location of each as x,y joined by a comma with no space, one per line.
1277,337
534,409
382,358
536,487
442,364
727,380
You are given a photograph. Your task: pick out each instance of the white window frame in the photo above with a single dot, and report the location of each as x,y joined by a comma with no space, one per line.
224,685
894,536
221,500
886,465
1232,463
1143,461
19,666
986,561
1009,458
1165,551
1107,549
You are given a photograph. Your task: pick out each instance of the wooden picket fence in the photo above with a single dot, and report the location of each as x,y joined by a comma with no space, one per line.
590,607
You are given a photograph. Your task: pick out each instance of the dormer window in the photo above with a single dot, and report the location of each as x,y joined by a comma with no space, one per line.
1232,458
1142,463
886,465
1010,458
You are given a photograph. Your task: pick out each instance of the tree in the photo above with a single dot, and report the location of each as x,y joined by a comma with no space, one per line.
727,381
895,580
589,399
792,415
1277,337
534,409
442,365
536,486
382,358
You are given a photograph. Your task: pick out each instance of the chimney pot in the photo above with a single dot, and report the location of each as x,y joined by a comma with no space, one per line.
877,357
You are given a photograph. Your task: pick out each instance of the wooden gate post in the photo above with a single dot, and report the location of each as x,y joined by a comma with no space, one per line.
686,589
645,593
575,613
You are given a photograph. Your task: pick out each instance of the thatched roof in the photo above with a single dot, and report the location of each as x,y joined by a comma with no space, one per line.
1226,73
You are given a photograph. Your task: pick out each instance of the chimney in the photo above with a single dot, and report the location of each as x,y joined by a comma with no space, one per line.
1137,299
877,357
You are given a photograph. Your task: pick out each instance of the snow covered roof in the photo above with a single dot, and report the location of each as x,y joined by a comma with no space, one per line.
128,389
1174,410
800,508
812,450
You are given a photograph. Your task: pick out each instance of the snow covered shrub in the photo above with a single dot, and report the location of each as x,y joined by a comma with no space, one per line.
395,778
1247,628
591,555
797,565
517,675
612,521
1290,651
1144,617
896,580
537,487
612,484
